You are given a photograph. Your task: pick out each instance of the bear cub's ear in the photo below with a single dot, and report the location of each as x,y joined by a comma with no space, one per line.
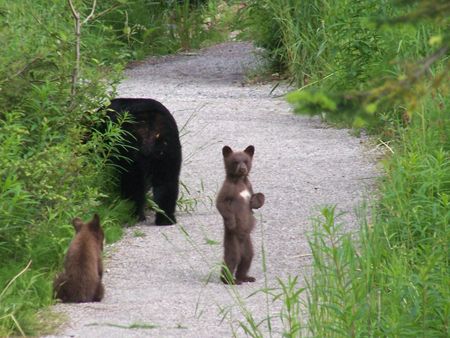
77,224
250,150
95,223
226,151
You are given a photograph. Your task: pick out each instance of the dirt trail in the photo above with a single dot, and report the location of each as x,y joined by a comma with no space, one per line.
163,281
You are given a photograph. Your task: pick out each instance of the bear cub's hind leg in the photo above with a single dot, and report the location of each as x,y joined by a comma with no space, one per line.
99,292
245,262
232,258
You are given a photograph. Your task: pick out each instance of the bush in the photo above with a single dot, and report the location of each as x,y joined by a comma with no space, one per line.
53,164
49,173
350,57
384,67
394,281
164,27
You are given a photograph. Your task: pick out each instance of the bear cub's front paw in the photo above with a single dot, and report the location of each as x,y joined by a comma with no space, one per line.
257,200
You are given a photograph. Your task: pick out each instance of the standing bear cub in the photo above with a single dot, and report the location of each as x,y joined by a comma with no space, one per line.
152,158
235,203
81,280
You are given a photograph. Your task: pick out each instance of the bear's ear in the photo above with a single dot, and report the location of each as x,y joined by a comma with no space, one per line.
250,150
95,223
226,151
77,224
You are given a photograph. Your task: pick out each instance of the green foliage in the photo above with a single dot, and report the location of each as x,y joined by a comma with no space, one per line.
359,54
311,100
381,65
21,297
315,38
395,281
163,27
54,165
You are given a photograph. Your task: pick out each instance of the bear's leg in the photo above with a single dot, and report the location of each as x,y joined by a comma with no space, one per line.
99,292
59,287
246,260
231,258
140,202
165,195
133,188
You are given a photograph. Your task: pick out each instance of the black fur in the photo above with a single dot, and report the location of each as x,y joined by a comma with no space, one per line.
156,161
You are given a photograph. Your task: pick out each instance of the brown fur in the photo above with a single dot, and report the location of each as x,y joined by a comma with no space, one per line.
235,203
81,280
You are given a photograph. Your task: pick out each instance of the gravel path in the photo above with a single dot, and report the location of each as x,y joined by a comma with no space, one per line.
164,281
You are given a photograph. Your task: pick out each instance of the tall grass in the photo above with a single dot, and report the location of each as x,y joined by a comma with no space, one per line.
391,278
393,281
53,165
164,27
337,51
315,39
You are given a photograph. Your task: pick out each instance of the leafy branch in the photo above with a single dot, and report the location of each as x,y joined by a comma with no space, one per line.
394,88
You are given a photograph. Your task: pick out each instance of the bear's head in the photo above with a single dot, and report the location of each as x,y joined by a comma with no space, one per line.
93,229
239,163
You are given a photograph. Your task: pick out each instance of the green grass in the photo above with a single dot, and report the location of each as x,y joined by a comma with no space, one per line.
53,167
314,39
393,281
165,27
391,278
344,57
141,326
47,174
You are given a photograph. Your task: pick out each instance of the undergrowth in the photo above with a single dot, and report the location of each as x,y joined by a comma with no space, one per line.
393,281
389,278
355,62
53,164
164,27
383,67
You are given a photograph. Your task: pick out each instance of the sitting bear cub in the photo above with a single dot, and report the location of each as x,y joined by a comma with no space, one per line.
235,203
81,280
154,158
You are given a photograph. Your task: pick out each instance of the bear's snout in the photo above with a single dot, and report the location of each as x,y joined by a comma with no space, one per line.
242,169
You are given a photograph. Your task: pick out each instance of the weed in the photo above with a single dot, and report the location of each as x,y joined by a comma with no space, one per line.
138,233
54,165
130,326
391,279
169,26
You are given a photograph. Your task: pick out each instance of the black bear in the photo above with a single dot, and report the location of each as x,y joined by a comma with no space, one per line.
153,157
81,280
